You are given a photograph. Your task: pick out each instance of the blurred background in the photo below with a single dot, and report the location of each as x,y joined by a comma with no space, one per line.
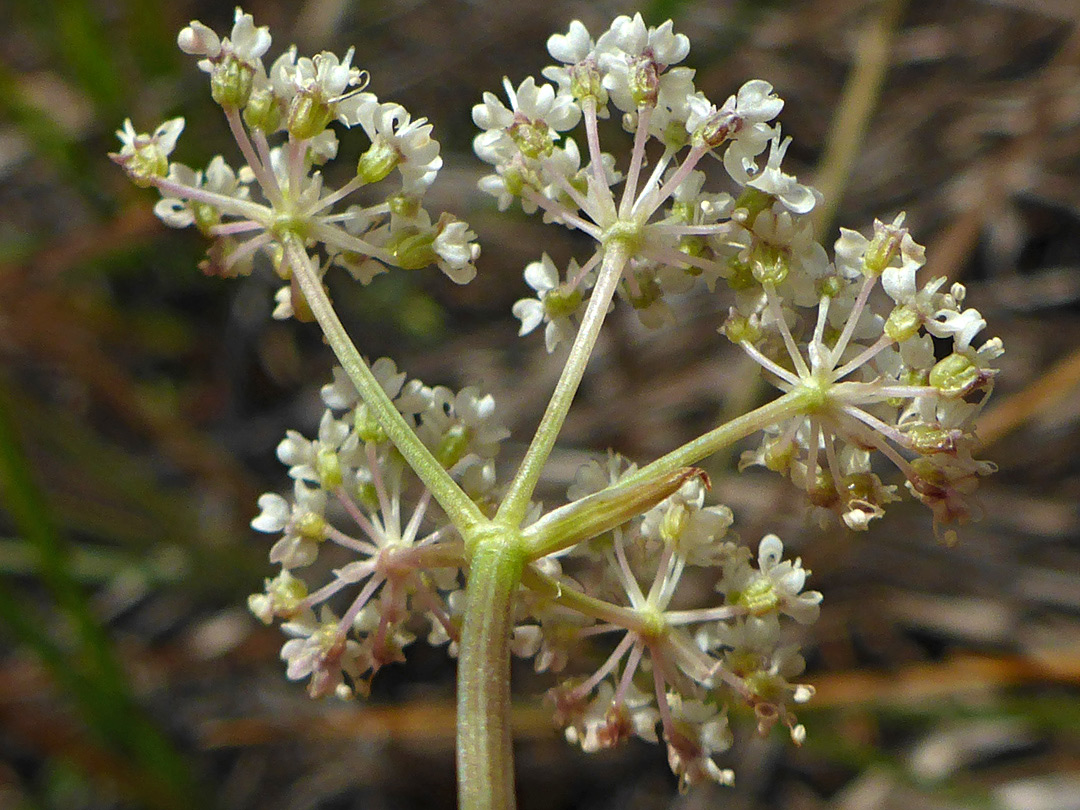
141,402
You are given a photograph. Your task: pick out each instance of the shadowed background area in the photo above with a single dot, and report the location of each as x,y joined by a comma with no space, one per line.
141,402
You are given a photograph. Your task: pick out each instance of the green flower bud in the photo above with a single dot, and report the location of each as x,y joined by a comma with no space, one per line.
328,467
230,82
309,115
413,249
453,446
769,264
561,302
954,376
378,161
367,426
311,526
739,329
263,112
903,323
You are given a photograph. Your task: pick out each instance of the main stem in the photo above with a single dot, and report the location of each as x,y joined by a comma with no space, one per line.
458,506
485,756
512,509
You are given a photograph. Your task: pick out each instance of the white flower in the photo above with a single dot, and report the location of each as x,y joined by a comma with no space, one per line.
301,522
699,730
302,455
695,531
572,47
341,394
555,303
320,650
787,579
246,43
219,178
146,157
455,249
415,152
797,198
282,597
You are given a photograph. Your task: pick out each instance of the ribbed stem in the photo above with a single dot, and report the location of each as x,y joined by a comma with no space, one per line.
516,502
458,506
485,757
781,408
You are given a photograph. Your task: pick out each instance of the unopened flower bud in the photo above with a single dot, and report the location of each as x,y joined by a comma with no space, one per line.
231,81
309,115
644,83
903,323
413,249
562,301
263,110
955,376
328,467
453,446
769,264
740,329
367,426
378,161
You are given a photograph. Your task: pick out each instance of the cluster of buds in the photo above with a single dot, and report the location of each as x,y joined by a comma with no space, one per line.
907,383
679,670
294,103
407,554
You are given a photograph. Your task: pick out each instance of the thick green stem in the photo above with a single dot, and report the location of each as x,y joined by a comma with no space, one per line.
781,408
458,506
485,757
516,502
602,511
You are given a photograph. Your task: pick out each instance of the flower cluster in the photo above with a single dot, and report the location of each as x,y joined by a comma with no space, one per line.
407,555
907,383
671,230
866,370
676,669
295,101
